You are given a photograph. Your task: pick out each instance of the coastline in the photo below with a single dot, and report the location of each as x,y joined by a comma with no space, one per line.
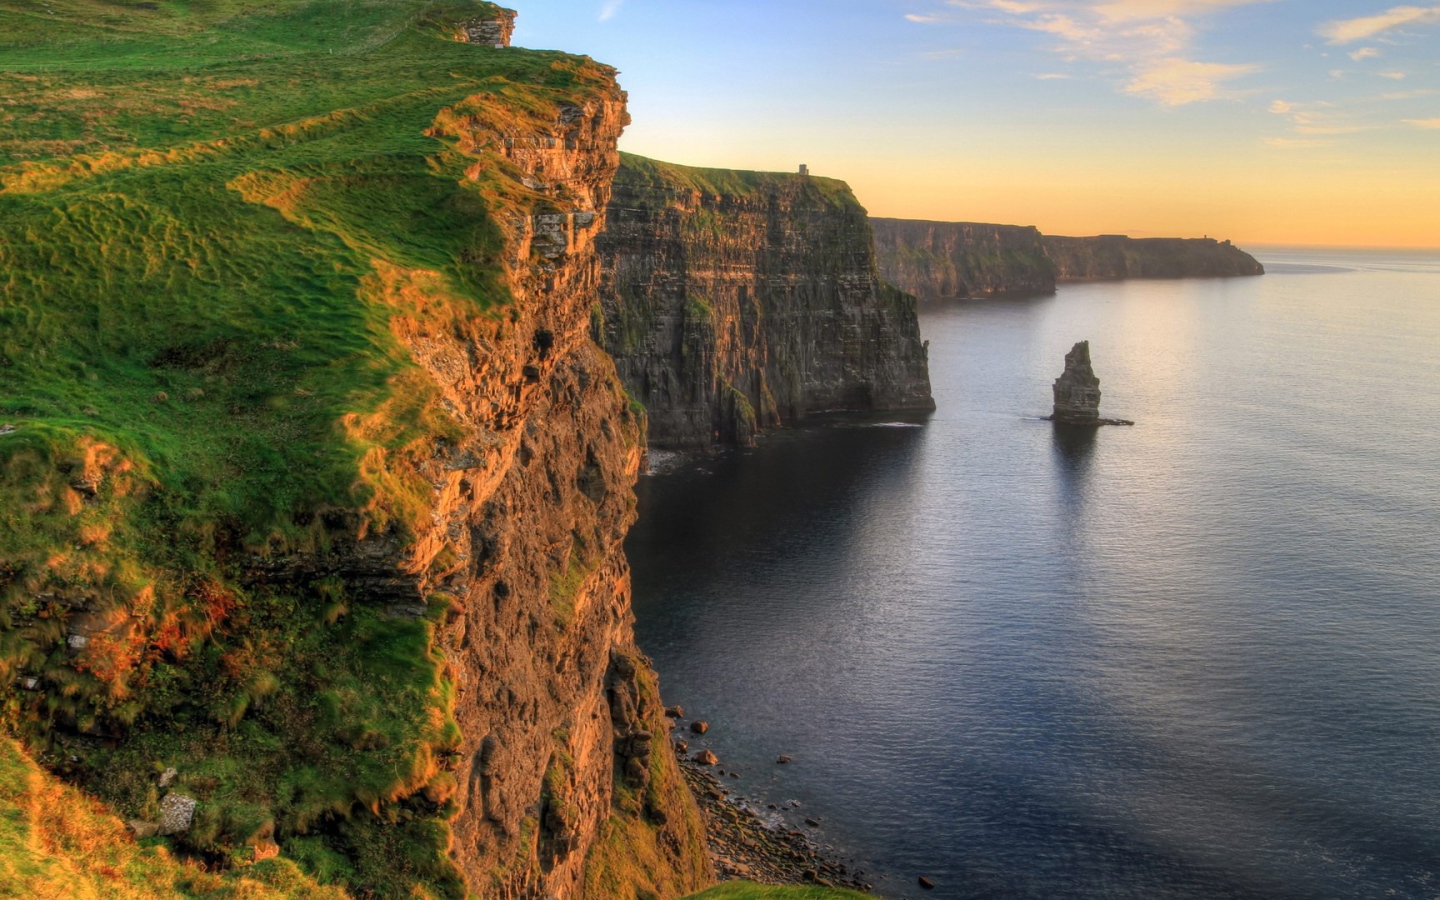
743,846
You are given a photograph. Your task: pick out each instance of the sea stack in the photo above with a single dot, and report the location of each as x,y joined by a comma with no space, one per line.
1077,390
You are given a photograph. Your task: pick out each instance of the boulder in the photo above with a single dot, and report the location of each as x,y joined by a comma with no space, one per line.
699,727
706,758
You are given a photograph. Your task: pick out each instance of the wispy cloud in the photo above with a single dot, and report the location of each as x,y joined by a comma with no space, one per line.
1365,53
1053,76
1319,118
609,9
1149,41
1424,123
924,20
1176,82
1348,31
1393,76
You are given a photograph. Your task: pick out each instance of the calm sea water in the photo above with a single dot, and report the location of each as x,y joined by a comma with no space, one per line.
1196,658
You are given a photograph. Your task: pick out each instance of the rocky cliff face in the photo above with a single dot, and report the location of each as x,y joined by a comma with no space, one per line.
431,684
567,786
957,260
737,301
1114,256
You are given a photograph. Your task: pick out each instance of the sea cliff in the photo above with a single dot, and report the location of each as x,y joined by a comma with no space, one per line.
1115,256
314,480
955,260
737,301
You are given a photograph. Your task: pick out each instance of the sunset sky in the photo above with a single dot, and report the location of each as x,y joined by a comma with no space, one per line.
1264,121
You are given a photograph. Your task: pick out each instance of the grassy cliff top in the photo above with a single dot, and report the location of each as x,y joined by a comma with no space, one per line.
640,173
211,214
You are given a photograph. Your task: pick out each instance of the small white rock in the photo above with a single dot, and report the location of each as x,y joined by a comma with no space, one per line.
177,813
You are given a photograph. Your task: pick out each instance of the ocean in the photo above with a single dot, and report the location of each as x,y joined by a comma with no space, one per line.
1196,658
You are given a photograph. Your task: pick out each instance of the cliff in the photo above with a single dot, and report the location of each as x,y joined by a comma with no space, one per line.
314,482
957,260
1115,256
738,301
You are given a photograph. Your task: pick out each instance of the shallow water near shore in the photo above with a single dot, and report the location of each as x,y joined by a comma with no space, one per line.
1195,658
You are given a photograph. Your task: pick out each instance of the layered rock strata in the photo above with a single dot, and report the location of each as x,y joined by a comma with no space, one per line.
967,260
566,789
1077,391
738,301
961,260
491,30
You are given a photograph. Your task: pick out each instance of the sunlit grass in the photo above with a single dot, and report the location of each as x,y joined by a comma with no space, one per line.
212,216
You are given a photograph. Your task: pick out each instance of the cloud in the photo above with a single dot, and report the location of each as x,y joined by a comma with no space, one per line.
1365,53
1148,44
611,7
1424,123
1176,82
1281,108
1348,31
1393,76
924,20
1053,76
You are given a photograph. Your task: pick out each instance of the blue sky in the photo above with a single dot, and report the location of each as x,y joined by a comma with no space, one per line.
1261,120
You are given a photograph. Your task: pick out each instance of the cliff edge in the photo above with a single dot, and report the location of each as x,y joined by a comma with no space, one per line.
737,301
313,481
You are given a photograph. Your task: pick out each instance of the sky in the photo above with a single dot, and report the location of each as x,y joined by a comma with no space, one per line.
1262,121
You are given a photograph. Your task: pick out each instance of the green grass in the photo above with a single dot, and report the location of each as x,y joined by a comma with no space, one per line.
742,890
641,173
56,842
214,217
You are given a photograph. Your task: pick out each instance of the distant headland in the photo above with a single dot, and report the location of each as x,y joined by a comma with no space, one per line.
964,260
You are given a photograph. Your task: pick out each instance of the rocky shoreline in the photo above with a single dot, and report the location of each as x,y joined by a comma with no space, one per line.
743,846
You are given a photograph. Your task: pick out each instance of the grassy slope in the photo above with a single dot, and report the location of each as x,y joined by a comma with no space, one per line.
57,843
210,211
650,174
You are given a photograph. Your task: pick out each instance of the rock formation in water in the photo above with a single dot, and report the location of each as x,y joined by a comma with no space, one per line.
959,260
737,301
1077,392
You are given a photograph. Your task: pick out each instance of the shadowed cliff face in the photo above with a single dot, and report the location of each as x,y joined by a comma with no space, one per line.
954,260
1113,256
737,301
958,260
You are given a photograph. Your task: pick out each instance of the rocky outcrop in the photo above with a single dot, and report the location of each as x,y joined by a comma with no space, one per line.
493,29
1115,256
960,260
966,260
1077,392
738,301
557,707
